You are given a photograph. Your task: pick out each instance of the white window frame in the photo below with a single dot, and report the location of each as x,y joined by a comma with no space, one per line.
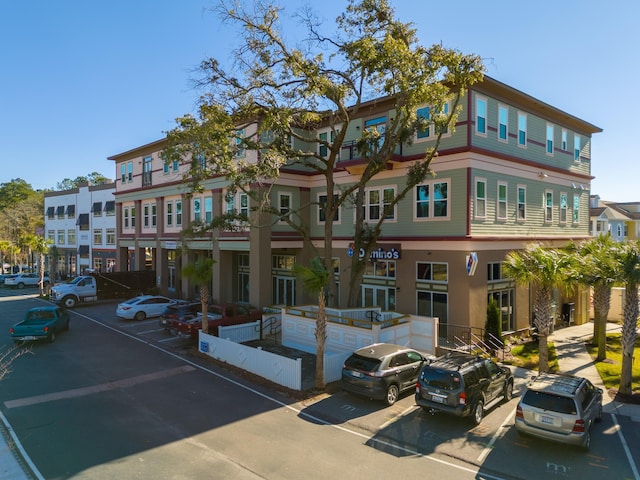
480,203
521,205
168,208
111,236
432,134
178,213
522,122
550,131
208,210
576,209
125,218
97,236
71,237
503,108
196,213
146,213
330,137
548,206
285,210
564,145
368,204
482,126
577,147
564,199
432,200
321,200
502,204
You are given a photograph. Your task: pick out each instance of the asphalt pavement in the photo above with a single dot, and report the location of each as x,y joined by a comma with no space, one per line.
573,358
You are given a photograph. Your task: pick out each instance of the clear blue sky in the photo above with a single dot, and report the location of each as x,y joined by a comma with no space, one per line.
81,80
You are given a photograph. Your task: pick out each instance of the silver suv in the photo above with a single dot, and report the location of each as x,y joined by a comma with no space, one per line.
560,408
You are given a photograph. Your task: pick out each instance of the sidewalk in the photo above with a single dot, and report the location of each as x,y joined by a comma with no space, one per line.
574,359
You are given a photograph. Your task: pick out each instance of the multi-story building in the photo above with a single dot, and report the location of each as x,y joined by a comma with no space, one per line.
81,223
515,170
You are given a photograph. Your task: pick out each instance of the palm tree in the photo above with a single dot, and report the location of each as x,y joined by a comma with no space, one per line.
200,272
596,260
39,245
628,260
545,269
315,279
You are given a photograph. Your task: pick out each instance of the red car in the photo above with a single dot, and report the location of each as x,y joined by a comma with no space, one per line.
219,316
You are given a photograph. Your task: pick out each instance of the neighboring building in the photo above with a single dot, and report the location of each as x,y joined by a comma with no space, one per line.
516,170
621,220
81,223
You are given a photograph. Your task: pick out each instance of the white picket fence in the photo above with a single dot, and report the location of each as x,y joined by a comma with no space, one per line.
278,369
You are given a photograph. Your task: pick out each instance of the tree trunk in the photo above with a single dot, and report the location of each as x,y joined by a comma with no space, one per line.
542,321
601,304
628,339
204,299
321,337
543,354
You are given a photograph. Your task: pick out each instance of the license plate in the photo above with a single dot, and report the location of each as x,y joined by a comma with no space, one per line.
28,337
437,399
356,374
546,420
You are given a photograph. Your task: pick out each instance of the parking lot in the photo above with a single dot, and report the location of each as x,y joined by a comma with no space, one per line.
404,430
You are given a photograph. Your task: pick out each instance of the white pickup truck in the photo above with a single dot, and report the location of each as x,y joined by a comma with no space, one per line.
22,280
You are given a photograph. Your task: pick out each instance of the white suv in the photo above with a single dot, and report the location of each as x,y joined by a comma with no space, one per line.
560,408
22,280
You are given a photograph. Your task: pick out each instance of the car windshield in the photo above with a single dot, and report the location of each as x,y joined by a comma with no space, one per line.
441,379
363,364
550,402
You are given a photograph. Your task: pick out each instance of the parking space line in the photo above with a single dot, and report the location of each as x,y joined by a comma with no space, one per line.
151,331
402,414
133,323
625,447
79,392
496,435
170,339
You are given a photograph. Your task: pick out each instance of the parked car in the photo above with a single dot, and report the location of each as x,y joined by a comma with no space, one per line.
382,371
179,312
463,385
139,308
561,408
218,316
22,280
5,276
40,323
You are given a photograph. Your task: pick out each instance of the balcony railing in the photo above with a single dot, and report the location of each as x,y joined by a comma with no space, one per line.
349,151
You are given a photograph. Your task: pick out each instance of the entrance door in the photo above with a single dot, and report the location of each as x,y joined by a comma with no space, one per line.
284,289
379,296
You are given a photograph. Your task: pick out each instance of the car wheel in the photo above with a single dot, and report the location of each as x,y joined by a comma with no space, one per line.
392,394
21,285
508,392
140,316
599,416
587,440
69,302
52,337
478,412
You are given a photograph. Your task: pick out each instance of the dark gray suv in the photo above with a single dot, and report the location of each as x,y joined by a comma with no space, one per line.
463,385
382,371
